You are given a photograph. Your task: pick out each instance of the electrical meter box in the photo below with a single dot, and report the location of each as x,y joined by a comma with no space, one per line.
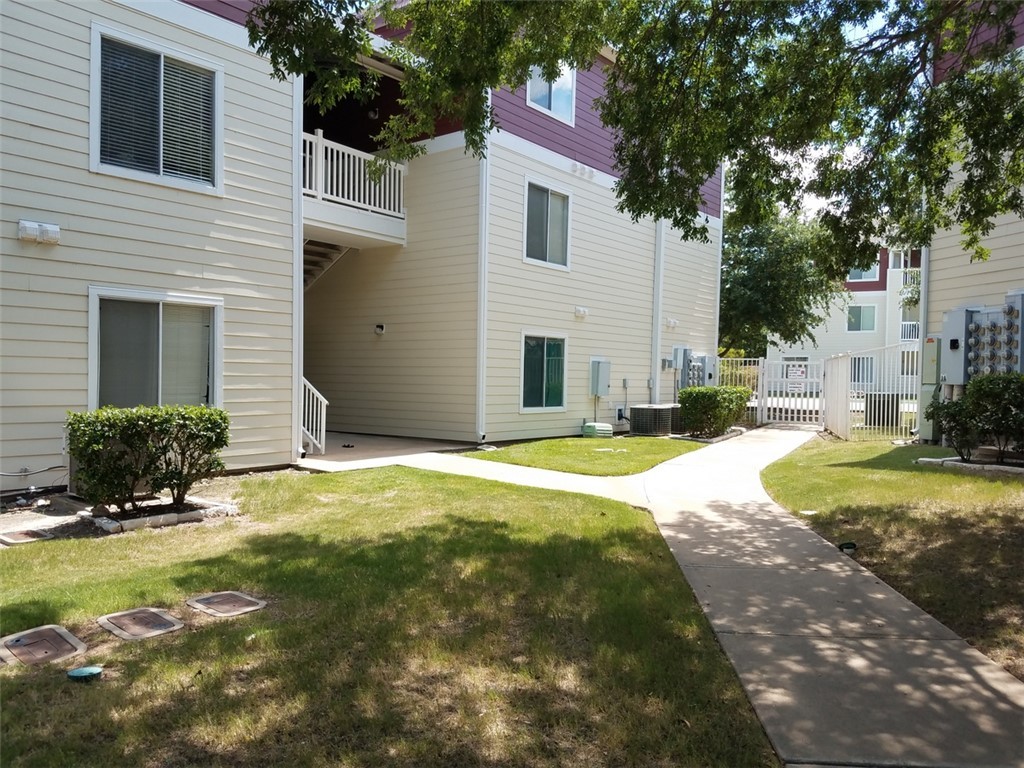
708,370
983,340
931,353
681,358
955,340
600,378
931,388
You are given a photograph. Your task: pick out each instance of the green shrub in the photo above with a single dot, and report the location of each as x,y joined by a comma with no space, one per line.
959,427
118,451
997,404
191,439
710,411
113,450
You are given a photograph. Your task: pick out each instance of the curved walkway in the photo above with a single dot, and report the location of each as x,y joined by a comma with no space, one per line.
841,669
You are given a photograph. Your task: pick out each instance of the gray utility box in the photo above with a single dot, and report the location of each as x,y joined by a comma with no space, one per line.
600,378
931,388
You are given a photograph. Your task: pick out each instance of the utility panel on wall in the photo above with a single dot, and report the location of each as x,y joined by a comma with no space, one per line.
600,378
981,340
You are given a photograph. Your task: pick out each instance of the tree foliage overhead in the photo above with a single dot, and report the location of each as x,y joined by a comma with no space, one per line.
841,86
777,285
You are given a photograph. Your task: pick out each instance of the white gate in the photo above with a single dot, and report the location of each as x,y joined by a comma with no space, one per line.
873,395
790,393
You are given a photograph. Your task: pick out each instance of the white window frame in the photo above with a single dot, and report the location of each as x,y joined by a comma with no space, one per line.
97,292
877,275
874,329
567,193
100,31
522,370
571,119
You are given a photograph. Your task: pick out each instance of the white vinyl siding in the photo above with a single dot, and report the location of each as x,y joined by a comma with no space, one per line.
152,237
418,379
547,225
956,281
158,114
557,98
612,278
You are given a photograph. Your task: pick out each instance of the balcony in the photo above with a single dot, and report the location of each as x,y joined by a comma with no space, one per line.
342,204
910,331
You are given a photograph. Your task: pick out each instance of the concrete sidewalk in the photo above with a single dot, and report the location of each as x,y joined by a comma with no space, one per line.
841,669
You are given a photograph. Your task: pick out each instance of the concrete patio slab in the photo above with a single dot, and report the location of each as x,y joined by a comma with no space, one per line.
881,701
850,603
369,451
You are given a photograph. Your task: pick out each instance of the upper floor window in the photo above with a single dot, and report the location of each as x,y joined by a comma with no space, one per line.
547,225
556,97
157,115
863,275
860,317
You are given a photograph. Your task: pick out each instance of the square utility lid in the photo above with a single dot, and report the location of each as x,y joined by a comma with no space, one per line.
139,623
40,645
226,603
13,538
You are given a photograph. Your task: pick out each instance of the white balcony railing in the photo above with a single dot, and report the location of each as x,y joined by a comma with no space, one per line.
910,331
339,174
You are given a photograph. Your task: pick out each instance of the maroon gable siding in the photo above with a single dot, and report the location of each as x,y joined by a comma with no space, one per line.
588,142
232,10
860,286
981,37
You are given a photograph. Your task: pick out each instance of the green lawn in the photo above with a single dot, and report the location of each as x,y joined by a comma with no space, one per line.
952,542
414,619
590,455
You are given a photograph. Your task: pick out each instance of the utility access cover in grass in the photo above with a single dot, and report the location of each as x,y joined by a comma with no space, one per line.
12,538
225,603
40,645
140,623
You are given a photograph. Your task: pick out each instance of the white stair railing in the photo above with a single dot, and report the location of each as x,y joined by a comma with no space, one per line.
340,174
314,417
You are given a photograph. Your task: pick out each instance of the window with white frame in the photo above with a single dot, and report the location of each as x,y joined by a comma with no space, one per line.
157,114
860,317
863,275
154,350
543,372
556,97
547,225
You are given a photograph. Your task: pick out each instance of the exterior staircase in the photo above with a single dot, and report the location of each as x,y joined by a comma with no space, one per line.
317,258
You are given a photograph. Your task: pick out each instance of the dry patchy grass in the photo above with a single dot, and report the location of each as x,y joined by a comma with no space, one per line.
413,620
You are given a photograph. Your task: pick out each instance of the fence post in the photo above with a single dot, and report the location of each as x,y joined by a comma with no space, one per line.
762,400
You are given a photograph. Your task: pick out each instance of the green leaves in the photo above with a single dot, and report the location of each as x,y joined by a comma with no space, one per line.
121,451
779,281
832,98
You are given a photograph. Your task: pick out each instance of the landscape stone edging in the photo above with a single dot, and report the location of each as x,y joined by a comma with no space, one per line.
210,510
957,463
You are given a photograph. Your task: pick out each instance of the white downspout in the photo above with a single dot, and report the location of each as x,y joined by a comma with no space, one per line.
483,233
659,276
298,299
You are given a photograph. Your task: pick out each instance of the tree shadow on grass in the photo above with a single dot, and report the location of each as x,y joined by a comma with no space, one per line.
457,643
966,570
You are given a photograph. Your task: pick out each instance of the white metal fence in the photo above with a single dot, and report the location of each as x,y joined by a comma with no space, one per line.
742,372
867,395
873,395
